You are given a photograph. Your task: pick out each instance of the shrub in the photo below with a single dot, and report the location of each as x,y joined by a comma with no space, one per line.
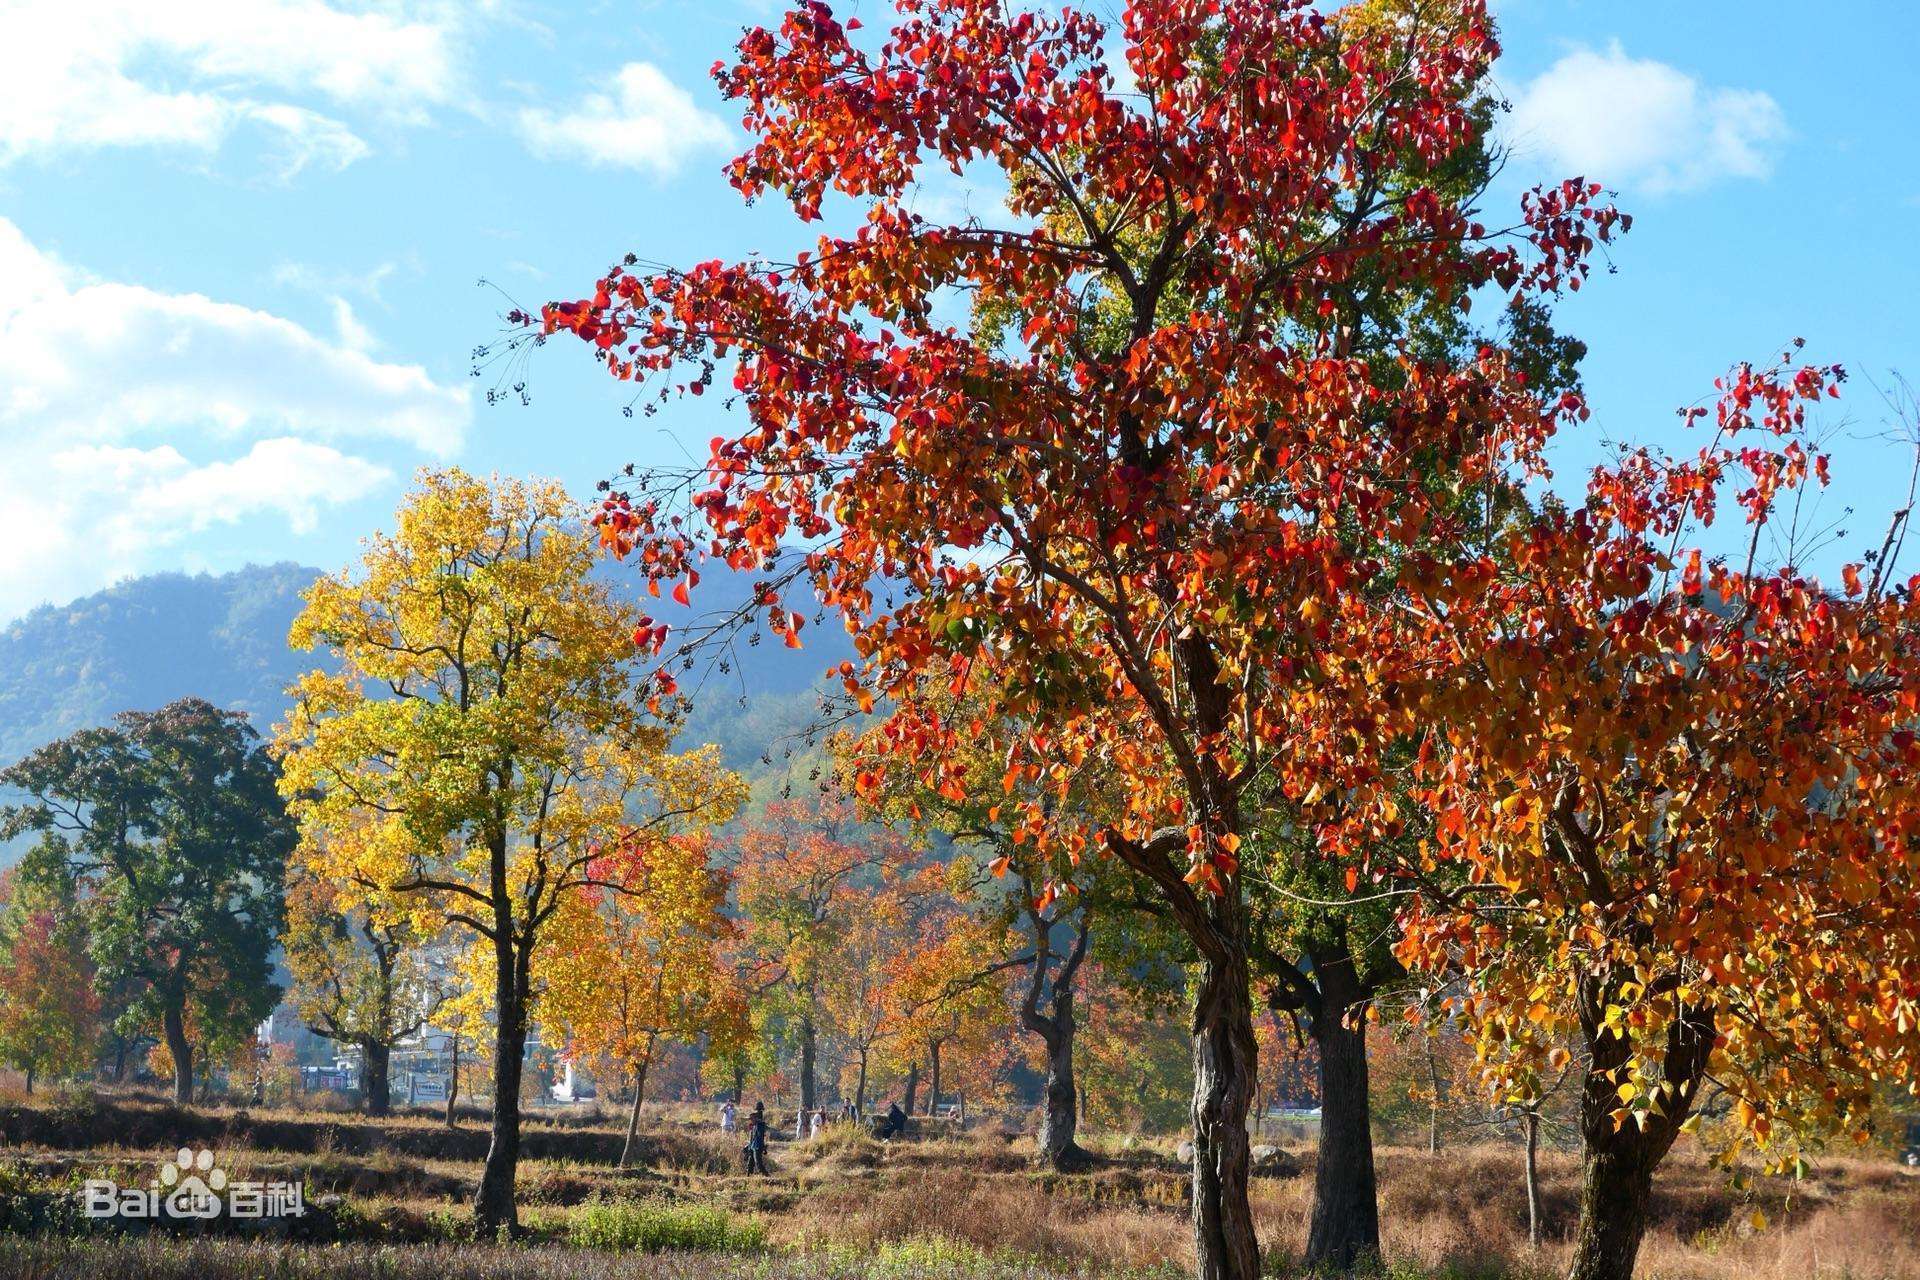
651,1226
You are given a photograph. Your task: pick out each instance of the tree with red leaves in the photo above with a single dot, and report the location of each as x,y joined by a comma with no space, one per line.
1161,465
1684,793
49,1014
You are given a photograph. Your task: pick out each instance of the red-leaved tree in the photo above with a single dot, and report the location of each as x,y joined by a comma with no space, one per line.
1152,440
1683,792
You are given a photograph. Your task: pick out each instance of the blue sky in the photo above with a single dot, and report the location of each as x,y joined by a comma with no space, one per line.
240,241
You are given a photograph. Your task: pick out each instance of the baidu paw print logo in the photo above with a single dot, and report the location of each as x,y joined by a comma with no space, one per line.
193,1184
190,1185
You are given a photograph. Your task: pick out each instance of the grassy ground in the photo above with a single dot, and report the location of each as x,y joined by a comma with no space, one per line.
390,1202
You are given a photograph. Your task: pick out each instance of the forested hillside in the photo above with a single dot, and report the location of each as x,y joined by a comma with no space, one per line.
143,642
146,641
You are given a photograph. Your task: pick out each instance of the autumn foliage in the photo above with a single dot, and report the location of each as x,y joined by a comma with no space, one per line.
1682,789
1167,464
635,962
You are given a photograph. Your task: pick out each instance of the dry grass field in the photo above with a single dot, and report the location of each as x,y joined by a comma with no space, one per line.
388,1200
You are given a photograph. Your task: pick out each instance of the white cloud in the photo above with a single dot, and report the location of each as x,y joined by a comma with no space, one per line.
1637,122
353,335
309,138
156,496
642,121
332,281
132,419
90,74
107,361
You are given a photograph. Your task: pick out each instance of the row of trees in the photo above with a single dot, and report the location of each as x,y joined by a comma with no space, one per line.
471,823
484,772
1191,496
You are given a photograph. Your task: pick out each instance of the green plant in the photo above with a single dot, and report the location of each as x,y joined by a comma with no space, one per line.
651,1226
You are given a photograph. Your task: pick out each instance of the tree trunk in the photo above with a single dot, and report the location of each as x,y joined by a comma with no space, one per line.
1615,1190
633,1116
860,1089
1060,1118
377,1056
913,1087
933,1077
808,1051
1060,1113
30,1074
119,1059
1433,1107
494,1209
1533,1179
739,1079
1617,1167
174,1025
1345,1230
1225,1068
453,1076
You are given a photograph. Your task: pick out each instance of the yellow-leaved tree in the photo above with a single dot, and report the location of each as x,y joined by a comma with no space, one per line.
485,736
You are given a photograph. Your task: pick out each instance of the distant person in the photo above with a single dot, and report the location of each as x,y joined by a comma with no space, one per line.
757,1139
816,1122
895,1123
800,1124
726,1116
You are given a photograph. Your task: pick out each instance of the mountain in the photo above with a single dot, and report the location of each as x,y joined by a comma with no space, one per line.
146,641
223,637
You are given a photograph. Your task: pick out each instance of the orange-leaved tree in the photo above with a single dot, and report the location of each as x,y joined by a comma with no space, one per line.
861,990
1041,897
797,869
636,961
1159,465
49,1012
1685,790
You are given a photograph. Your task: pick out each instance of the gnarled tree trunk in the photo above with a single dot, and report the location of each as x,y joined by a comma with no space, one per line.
1047,1010
1225,1069
173,1025
1616,1171
1060,1118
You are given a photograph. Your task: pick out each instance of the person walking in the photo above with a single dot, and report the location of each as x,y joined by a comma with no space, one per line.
757,1140
817,1122
726,1116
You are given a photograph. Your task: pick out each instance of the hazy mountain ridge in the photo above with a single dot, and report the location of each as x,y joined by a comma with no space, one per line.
146,641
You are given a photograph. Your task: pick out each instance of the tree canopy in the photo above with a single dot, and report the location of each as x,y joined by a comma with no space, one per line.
167,831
